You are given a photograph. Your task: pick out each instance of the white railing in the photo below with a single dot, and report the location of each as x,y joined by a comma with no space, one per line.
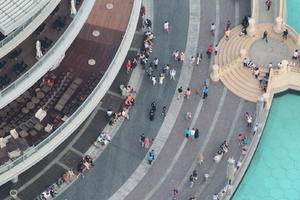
51,58
38,152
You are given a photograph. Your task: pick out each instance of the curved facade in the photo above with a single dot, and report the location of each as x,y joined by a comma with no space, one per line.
74,118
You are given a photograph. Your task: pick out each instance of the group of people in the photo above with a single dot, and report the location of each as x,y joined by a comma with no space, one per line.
192,133
223,149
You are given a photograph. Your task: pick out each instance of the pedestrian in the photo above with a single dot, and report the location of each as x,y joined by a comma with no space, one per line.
128,66
227,34
152,153
228,25
188,115
285,34
209,51
182,56
240,137
198,58
172,74
192,60
268,4
205,92
180,92
238,165
244,151
256,72
216,197
187,93
176,55
164,111
155,62
187,133
125,113
143,11
216,48
212,28
142,139
200,158
248,119
265,36
161,78
197,133
153,78
150,159
146,142
166,26
193,133
166,69
295,55
244,141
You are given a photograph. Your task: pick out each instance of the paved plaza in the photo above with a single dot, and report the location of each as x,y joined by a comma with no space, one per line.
121,171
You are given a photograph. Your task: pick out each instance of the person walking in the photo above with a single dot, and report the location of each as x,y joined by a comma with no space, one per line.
152,153
180,92
153,78
228,25
265,36
176,55
285,34
128,66
192,60
268,4
227,34
182,56
187,93
212,28
161,78
146,142
209,51
143,11
188,115
150,159
216,49
198,58
172,74
166,26
200,159
155,62
205,92
142,139
187,133
196,133
164,111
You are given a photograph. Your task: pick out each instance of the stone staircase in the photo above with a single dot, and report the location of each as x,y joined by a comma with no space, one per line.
238,79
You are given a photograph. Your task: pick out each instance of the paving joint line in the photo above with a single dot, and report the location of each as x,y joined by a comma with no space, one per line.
63,165
79,153
115,94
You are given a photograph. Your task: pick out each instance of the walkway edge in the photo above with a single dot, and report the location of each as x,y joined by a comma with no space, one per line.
164,132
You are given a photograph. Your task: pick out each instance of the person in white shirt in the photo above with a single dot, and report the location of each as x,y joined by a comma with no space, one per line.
172,74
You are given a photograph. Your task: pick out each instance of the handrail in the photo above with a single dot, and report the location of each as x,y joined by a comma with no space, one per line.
35,154
51,59
261,117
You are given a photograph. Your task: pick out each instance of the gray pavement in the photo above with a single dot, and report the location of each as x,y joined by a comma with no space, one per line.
274,51
223,116
220,117
264,15
124,153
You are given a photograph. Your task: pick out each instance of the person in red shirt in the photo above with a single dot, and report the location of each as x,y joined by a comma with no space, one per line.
143,11
209,51
128,66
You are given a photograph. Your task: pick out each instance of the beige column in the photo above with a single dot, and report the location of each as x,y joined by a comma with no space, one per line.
215,74
278,25
285,64
252,27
